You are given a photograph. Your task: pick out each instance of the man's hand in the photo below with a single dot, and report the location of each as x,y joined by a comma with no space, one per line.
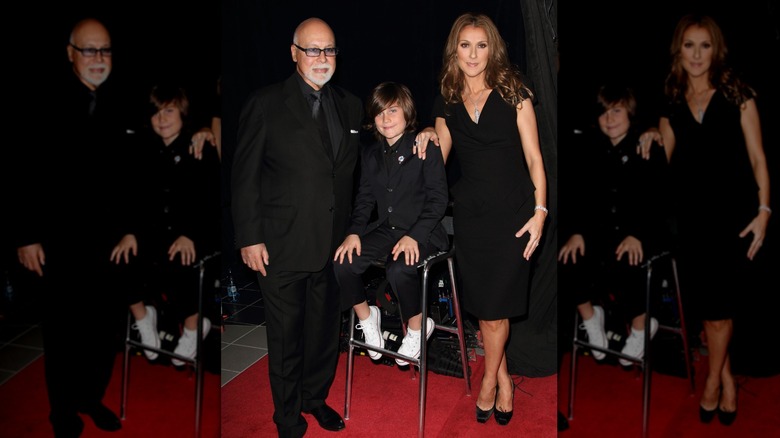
256,257
32,257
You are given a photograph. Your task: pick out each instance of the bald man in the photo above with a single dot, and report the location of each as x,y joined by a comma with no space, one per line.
292,179
68,227
89,51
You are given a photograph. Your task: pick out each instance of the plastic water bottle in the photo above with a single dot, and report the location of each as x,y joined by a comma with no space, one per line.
444,296
441,291
392,340
9,292
231,288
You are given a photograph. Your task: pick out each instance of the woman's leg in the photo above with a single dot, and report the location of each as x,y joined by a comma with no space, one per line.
719,374
494,337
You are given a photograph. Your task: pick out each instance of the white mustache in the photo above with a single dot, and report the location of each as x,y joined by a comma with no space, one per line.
100,65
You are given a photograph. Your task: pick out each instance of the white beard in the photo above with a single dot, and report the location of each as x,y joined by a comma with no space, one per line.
97,79
317,78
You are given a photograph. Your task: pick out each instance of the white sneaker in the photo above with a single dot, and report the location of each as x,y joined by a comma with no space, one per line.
188,343
594,327
635,344
147,328
411,344
372,333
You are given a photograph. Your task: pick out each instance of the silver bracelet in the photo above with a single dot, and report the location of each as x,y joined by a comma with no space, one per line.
765,208
541,207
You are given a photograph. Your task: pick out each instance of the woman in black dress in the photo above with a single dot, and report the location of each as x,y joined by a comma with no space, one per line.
712,137
485,113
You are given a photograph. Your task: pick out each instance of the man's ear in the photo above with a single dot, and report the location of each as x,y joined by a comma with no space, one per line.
293,53
71,53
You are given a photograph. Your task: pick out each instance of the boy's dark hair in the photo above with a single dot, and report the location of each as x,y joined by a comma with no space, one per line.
612,94
385,95
166,94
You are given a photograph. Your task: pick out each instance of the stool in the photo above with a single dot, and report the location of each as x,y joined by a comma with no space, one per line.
426,265
644,362
196,362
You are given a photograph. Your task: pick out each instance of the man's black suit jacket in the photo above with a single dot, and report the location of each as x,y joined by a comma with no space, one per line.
287,192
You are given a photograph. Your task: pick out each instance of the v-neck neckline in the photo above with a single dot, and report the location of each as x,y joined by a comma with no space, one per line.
704,110
481,113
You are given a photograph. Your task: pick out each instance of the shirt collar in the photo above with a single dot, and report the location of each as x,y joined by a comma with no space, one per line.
307,89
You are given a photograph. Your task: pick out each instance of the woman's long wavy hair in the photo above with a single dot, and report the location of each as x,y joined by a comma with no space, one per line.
721,75
500,74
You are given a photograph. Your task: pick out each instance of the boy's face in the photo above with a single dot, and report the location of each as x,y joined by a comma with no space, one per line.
614,122
391,123
167,123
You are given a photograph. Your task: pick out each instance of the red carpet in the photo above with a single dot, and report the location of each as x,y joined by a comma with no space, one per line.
608,403
384,404
161,403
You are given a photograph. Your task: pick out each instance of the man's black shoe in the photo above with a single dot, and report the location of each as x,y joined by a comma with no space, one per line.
328,418
69,426
103,417
563,423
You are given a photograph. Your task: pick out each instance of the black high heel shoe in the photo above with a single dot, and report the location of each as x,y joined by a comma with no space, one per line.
725,418
502,418
706,416
484,416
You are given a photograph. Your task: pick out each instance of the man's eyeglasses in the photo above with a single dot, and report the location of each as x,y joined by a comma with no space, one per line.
91,52
315,52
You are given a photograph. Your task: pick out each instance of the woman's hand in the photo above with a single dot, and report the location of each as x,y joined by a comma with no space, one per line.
534,228
198,141
422,139
758,227
646,142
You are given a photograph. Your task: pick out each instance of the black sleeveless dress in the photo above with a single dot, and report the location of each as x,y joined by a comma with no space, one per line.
493,199
716,197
